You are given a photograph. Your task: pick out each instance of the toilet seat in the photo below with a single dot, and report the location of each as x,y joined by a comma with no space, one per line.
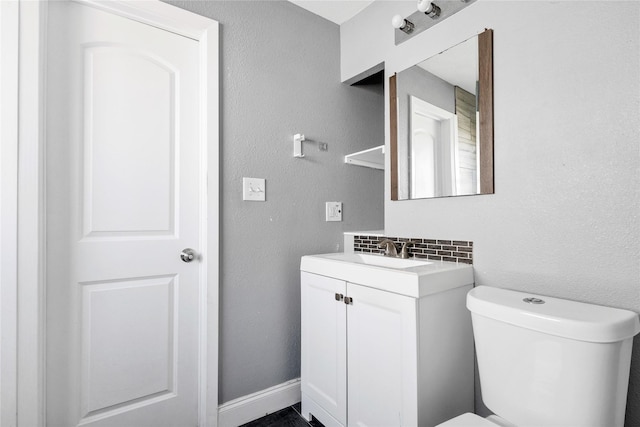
468,420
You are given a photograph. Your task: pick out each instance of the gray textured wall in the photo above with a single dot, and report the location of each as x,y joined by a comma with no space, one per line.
280,75
564,219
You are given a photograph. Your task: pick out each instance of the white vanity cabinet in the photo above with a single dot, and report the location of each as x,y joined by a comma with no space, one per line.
371,357
324,349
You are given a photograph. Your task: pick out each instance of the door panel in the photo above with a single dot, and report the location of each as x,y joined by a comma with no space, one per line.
121,367
116,133
324,345
123,200
382,358
425,134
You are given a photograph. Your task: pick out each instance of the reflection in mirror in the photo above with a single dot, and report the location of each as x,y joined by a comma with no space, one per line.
442,124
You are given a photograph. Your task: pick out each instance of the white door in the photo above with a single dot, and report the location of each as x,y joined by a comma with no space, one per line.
425,134
324,348
382,358
123,199
433,136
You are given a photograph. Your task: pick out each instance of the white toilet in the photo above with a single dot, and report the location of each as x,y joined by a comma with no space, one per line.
547,361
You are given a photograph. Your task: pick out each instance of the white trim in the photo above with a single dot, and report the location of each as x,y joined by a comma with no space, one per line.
157,14
210,43
30,251
31,233
9,15
256,405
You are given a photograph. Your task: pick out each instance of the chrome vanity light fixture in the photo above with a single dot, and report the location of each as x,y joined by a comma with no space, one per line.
402,24
425,6
427,15
430,9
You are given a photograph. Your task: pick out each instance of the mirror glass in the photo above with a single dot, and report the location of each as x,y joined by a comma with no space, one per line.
444,124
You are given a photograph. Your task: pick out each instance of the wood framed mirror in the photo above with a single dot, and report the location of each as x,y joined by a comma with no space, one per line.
441,123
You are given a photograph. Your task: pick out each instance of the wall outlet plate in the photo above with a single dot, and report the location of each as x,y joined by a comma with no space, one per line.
333,211
254,189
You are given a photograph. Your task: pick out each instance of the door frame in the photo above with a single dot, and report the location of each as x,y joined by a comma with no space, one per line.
444,182
23,208
9,13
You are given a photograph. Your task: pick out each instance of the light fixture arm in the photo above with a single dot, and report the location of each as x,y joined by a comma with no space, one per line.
430,9
402,24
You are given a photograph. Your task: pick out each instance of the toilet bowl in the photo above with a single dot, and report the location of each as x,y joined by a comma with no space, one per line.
473,420
467,420
533,348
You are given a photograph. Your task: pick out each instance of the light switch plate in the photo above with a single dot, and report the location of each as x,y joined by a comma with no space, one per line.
333,211
254,189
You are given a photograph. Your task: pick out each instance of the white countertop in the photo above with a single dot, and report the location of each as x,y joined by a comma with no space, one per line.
415,281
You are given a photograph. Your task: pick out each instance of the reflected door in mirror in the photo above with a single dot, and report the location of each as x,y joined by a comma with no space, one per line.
432,150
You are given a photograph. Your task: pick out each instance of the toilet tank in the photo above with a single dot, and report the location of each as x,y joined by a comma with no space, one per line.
550,361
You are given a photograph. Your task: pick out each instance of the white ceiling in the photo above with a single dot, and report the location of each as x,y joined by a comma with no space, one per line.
337,11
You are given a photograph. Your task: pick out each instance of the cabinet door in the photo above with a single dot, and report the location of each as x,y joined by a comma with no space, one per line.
382,358
324,346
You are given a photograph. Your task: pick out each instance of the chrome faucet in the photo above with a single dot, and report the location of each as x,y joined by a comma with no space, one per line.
389,248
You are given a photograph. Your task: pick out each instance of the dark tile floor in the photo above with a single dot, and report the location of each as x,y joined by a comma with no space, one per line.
287,417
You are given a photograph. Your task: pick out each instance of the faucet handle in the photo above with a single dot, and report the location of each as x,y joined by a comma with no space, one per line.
389,247
404,252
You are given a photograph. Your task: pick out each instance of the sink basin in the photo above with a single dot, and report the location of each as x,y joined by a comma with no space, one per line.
384,261
411,277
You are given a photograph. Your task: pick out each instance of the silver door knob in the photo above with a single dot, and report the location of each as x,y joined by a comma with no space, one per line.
188,255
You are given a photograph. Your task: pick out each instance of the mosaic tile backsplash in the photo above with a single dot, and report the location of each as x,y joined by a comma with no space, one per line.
437,250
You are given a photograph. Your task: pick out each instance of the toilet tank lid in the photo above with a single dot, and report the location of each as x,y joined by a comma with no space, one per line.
556,316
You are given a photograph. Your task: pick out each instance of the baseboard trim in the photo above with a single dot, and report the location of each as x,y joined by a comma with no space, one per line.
253,406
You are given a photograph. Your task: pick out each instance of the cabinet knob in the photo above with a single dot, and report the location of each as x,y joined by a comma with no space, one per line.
348,300
339,297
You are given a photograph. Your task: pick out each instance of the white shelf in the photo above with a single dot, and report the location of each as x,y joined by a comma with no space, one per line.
371,158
